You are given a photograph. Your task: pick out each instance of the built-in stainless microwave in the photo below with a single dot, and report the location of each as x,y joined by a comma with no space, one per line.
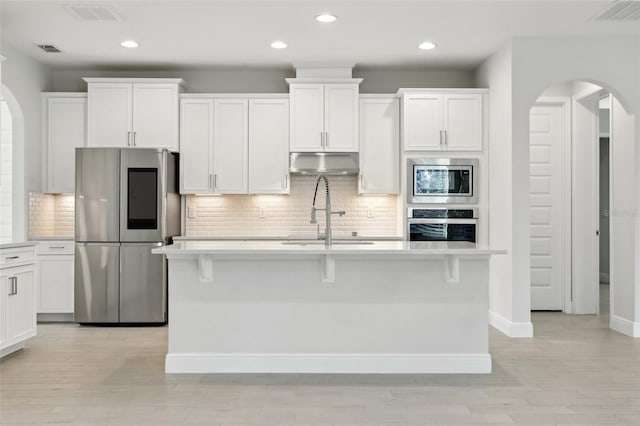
442,180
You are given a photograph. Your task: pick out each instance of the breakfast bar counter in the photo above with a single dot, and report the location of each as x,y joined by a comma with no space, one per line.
302,307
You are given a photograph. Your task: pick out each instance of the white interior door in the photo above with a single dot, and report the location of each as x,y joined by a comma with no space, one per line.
585,205
545,201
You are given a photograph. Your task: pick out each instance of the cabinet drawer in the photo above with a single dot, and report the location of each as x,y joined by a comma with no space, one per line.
16,256
55,247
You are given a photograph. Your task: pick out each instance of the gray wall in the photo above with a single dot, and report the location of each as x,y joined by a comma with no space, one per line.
252,80
604,209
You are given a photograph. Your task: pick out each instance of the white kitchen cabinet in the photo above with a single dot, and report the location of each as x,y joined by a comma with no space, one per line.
268,146
234,145
64,129
196,146
17,298
55,271
230,146
379,145
135,113
324,116
449,121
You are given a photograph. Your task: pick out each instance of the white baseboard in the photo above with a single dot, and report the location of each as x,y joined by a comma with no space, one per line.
510,328
624,326
11,349
360,363
604,277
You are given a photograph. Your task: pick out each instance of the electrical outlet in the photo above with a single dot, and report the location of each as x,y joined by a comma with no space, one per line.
262,213
191,212
370,211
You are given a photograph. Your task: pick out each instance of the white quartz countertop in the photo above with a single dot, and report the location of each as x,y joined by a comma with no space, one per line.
16,245
298,247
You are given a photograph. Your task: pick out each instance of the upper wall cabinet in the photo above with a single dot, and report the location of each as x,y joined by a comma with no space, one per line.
437,120
135,113
269,146
234,145
64,129
324,116
379,145
213,146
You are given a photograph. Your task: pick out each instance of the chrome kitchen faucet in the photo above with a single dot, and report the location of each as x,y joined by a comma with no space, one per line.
327,209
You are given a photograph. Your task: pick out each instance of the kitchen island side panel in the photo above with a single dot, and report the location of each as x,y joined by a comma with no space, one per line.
257,309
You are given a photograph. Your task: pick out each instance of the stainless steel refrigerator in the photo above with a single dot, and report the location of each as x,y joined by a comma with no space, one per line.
126,203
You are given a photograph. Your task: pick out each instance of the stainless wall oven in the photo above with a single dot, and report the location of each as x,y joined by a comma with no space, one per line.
442,224
442,180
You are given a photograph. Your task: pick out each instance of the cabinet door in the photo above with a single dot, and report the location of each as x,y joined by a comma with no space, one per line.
422,122
341,117
66,130
55,284
196,146
307,117
230,145
4,307
268,146
155,116
463,122
379,146
22,305
109,114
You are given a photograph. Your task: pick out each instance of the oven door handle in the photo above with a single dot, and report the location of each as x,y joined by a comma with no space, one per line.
417,221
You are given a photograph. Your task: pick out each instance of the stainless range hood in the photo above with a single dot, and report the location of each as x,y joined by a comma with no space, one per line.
324,163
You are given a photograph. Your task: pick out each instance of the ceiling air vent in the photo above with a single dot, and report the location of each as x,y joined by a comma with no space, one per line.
49,48
93,12
620,11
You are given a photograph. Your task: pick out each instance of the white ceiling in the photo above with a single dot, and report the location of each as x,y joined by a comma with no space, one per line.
238,33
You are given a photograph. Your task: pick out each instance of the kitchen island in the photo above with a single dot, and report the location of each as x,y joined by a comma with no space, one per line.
302,307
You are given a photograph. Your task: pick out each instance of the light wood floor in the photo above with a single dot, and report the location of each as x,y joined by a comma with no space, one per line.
575,371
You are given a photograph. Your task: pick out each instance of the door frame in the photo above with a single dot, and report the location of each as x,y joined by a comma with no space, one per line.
564,102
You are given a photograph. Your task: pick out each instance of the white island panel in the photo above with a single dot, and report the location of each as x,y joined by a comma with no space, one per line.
388,309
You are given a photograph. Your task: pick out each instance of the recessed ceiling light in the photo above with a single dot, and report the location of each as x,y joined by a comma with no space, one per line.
279,45
326,17
129,43
427,45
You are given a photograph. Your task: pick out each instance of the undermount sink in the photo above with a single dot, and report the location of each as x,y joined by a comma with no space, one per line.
320,242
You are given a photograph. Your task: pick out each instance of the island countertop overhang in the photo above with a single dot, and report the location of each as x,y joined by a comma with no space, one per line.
181,249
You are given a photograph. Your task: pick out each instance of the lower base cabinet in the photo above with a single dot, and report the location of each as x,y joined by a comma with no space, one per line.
17,298
55,278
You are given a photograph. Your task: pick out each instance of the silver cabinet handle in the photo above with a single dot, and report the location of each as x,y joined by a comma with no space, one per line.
215,181
134,138
11,257
56,247
286,181
128,138
210,180
13,286
446,139
322,139
441,138
362,181
326,139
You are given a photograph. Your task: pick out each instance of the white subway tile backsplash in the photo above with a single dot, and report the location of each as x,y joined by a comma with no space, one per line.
51,215
285,215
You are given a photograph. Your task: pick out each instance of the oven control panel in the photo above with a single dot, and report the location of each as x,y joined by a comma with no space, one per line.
442,213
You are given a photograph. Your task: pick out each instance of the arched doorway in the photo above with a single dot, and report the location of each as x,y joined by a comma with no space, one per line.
570,191
16,163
